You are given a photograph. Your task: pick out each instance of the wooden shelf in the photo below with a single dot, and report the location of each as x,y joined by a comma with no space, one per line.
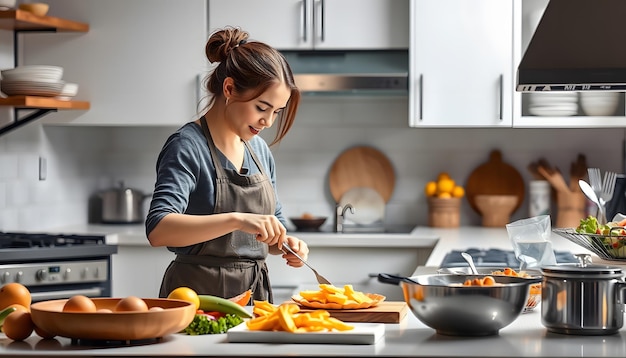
24,20
36,102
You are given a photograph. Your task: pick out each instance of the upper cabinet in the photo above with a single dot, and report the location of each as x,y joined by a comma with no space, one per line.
558,110
317,24
461,63
138,64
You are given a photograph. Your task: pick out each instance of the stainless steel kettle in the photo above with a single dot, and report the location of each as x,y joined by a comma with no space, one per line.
122,205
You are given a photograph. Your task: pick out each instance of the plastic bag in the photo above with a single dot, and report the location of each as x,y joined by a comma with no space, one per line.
531,241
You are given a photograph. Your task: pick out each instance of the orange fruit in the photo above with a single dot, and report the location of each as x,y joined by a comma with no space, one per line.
18,325
242,299
430,189
79,303
458,192
14,292
444,195
443,176
20,307
185,294
445,186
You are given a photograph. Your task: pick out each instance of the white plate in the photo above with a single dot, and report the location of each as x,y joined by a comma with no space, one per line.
554,112
369,205
363,333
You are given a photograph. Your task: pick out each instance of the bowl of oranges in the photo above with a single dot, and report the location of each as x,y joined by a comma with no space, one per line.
444,201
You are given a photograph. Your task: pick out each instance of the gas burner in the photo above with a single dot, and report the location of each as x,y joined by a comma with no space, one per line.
495,258
114,343
27,240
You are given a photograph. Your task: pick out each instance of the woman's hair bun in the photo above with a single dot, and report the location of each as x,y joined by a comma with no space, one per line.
223,41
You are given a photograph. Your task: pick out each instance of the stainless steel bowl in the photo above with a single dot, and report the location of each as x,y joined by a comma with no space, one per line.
441,302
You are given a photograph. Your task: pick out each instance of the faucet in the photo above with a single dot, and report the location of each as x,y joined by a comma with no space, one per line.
340,215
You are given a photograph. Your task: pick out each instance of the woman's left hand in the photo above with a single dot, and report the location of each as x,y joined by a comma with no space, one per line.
300,247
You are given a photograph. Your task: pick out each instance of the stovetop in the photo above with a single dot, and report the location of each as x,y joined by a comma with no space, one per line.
496,258
22,246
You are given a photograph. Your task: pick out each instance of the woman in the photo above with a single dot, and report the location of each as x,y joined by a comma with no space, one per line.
214,202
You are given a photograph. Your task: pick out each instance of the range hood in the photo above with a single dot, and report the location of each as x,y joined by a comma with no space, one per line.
577,46
350,72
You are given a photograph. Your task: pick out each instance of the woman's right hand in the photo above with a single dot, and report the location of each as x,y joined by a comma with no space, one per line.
268,228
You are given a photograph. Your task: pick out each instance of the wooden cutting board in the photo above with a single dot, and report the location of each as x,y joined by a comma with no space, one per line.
384,312
361,166
495,177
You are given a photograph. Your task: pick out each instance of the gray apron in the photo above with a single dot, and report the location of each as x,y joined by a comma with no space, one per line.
235,262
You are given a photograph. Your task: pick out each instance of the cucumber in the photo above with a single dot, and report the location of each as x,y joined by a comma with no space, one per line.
4,313
213,303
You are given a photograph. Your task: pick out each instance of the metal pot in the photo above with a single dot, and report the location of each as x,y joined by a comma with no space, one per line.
122,205
583,298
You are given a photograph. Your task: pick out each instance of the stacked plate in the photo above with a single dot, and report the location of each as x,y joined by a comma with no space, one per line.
557,104
32,81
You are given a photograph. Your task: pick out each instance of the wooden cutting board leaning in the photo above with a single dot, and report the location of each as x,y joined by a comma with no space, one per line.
495,177
361,166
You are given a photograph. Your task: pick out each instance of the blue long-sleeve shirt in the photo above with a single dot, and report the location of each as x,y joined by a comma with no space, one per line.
186,176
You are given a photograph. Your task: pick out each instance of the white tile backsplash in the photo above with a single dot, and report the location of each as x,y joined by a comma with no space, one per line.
84,160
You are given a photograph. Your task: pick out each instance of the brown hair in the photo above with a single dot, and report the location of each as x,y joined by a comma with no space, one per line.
254,67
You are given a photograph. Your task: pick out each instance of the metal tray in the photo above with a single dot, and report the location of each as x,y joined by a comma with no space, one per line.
608,247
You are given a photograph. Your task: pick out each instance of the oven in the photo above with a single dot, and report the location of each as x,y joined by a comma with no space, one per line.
56,266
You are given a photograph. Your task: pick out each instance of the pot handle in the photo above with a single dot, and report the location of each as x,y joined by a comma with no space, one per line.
393,279
621,292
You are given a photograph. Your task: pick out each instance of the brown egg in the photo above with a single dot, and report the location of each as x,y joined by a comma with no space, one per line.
156,308
79,303
104,310
131,303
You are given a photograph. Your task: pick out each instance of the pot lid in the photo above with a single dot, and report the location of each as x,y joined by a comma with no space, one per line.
584,268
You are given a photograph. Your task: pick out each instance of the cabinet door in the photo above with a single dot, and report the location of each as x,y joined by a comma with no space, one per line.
361,24
284,24
137,65
461,69
317,24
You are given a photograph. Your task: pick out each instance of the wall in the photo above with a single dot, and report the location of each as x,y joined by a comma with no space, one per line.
83,160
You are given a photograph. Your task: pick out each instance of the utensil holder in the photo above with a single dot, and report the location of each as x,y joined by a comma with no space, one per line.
571,209
444,212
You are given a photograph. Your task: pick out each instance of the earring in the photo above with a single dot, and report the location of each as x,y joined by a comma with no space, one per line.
226,102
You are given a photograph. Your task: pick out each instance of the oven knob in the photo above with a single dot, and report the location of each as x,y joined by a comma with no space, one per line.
42,274
5,277
18,276
66,274
85,272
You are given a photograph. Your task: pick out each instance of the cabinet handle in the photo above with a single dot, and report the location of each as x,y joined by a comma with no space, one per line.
322,21
304,21
501,110
421,97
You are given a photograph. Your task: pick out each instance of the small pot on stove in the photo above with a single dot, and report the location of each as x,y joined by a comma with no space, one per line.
583,298
122,205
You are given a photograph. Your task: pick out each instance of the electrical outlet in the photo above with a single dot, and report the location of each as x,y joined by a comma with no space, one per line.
43,168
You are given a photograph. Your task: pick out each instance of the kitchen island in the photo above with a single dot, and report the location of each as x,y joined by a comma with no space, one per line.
525,337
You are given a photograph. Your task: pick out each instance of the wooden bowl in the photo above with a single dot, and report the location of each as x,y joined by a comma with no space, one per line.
175,316
37,8
303,224
496,209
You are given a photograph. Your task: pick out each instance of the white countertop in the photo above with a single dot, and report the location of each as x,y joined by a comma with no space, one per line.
525,337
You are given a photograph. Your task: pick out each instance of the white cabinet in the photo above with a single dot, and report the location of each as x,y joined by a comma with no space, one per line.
528,14
461,63
138,270
137,65
317,24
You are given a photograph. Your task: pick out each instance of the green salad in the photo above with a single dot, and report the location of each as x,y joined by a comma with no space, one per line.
206,324
614,240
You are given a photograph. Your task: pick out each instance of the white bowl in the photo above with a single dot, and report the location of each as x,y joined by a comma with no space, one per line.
69,90
599,104
7,4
